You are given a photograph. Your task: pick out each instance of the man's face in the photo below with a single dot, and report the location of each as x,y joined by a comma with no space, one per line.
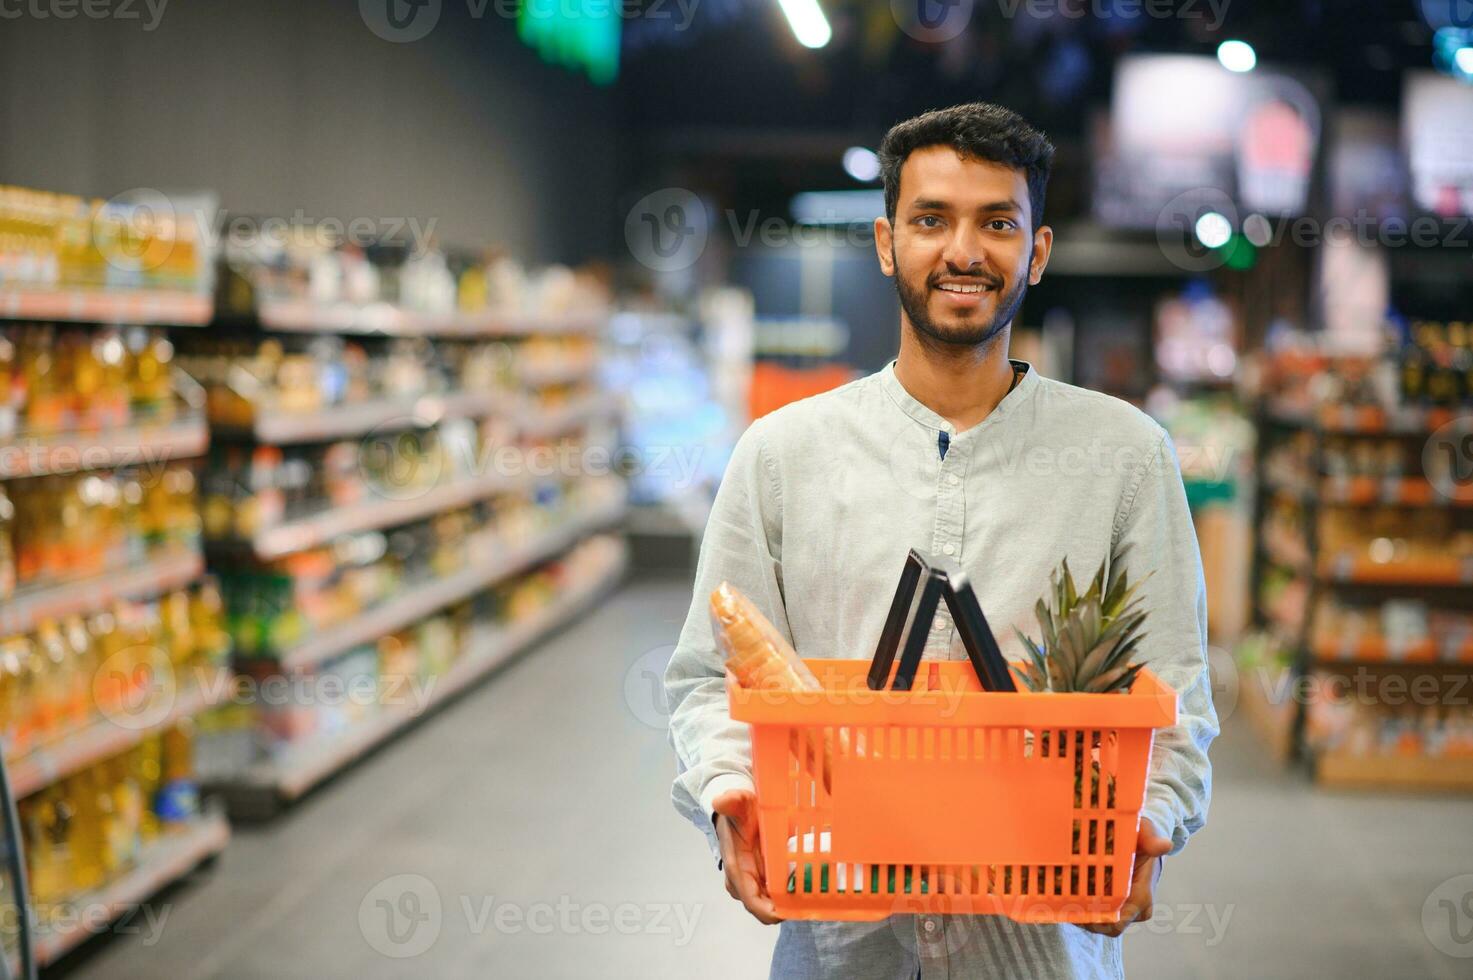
961,249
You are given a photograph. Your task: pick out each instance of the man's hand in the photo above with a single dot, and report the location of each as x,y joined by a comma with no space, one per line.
741,853
1150,848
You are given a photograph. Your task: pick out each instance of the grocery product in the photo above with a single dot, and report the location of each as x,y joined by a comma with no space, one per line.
754,650
1087,638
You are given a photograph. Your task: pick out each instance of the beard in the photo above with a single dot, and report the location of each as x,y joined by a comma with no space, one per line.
914,303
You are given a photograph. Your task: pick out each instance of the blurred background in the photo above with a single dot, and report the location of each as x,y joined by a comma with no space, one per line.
367,371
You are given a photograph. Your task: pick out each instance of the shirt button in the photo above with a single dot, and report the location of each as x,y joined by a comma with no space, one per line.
948,549
930,926
953,481
938,623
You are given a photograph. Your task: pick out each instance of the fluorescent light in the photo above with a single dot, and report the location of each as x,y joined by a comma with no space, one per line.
1213,230
1237,55
861,164
809,25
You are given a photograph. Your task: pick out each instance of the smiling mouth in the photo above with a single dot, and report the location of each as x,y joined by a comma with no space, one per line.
964,288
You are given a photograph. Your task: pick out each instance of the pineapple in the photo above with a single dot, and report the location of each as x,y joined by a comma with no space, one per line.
1087,639
1086,646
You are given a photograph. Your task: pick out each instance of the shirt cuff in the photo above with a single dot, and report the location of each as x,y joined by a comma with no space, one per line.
722,783
1162,815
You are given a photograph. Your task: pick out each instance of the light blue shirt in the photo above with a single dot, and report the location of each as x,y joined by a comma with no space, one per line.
817,509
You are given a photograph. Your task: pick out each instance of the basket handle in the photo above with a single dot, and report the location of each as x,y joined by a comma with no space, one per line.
943,580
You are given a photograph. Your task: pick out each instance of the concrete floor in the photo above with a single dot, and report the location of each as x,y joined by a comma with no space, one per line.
526,832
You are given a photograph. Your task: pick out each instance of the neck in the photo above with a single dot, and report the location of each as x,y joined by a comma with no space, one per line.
959,383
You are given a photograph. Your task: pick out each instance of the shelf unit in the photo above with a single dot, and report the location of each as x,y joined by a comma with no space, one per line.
98,740
419,601
149,307
27,455
516,412
260,791
298,316
282,428
158,573
373,513
1443,578
171,857
145,442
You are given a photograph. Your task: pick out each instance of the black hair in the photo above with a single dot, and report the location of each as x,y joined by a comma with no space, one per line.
979,130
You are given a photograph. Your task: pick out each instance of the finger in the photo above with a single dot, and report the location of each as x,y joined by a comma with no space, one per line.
1149,841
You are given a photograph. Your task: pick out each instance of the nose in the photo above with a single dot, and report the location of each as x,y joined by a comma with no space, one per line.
965,253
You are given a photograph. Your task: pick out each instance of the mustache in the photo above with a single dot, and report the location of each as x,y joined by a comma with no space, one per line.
984,278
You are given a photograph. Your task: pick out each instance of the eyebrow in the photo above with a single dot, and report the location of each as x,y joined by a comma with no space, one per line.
1008,206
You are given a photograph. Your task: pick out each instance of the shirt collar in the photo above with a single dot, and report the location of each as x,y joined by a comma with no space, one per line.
908,404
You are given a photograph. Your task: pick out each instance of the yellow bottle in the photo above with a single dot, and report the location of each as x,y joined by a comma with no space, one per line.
47,823
145,767
85,664
89,845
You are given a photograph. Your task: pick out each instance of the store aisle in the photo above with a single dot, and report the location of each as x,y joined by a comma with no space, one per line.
557,806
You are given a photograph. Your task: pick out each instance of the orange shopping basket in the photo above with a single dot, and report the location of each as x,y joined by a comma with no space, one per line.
947,798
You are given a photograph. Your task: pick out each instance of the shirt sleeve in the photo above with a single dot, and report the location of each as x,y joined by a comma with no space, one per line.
742,545
1155,537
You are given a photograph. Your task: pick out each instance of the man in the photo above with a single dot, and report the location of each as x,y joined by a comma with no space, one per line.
955,450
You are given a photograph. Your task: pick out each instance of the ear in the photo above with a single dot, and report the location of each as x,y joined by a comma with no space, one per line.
1043,246
885,245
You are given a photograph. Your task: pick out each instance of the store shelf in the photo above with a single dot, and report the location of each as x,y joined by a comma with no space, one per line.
540,424
75,452
535,375
420,601
1395,772
150,307
1363,420
1369,491
294,316
305,765
101,739
23,611
1438,572
1377,649
376,512
172,856
386,415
